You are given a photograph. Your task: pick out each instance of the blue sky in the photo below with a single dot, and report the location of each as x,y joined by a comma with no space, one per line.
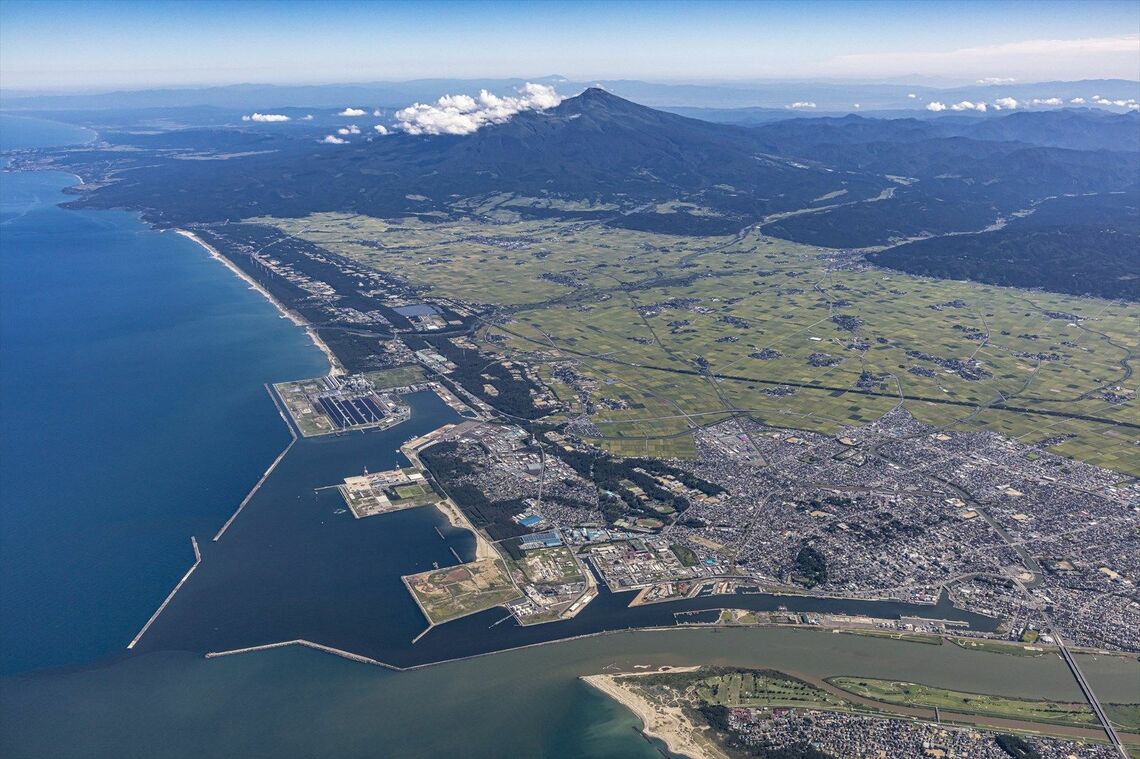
99,44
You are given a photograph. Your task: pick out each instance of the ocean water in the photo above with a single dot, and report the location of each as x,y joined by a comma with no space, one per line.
132,416
133,412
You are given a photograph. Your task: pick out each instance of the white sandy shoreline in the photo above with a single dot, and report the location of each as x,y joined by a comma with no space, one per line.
667,724
335,367
483,548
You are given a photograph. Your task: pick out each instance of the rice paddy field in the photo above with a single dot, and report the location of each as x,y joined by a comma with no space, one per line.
667,333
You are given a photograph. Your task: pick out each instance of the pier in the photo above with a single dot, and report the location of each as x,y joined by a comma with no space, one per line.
169,598
269,471
300,642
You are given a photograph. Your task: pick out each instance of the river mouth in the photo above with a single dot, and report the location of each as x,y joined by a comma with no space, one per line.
529,702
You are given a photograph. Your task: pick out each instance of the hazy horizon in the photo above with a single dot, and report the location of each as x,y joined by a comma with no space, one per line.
101,46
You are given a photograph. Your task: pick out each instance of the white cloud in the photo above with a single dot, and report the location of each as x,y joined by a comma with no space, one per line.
376,112
1048,101
1032,59
463,114
966,105
911,95
1005,104
332,139
1129,103
801,104
350,129
381,129
935,106
350,111
858,106
1077,101
996,80
266,117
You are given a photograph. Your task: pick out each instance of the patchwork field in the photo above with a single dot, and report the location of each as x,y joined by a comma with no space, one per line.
662,333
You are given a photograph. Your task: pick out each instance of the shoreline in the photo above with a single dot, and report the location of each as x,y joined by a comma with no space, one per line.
455,516
667,724
335,367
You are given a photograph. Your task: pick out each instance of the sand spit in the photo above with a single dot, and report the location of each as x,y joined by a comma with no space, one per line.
666,723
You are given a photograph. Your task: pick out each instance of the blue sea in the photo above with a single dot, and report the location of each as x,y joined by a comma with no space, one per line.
133,415
133,411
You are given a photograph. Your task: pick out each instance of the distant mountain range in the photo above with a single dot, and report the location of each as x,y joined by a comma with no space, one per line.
812,96
849,182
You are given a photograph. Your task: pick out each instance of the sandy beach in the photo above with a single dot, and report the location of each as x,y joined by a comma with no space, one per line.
666,723
335,367
483,547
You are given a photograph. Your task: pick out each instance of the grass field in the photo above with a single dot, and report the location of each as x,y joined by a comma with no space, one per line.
764,688
676,332
396,377
994,647
552,566
913,694
446,594
310,419
929,640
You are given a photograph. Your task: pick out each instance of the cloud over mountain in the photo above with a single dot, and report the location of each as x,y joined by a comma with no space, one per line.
350,111
463,114
266,117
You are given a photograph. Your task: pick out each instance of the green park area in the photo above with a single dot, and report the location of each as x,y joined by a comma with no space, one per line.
1028,710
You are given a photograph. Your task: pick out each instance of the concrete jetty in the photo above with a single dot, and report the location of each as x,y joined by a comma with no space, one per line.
300,642
159,610
249,496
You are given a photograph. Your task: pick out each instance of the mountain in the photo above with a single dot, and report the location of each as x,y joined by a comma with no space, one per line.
955,177
596,146
1075,129
853,182
600,145
827,96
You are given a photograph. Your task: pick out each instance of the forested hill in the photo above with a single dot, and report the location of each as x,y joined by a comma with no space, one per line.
850,182
1079,245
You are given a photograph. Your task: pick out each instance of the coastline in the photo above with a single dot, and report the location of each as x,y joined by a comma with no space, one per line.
665,723
455,516
335,367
